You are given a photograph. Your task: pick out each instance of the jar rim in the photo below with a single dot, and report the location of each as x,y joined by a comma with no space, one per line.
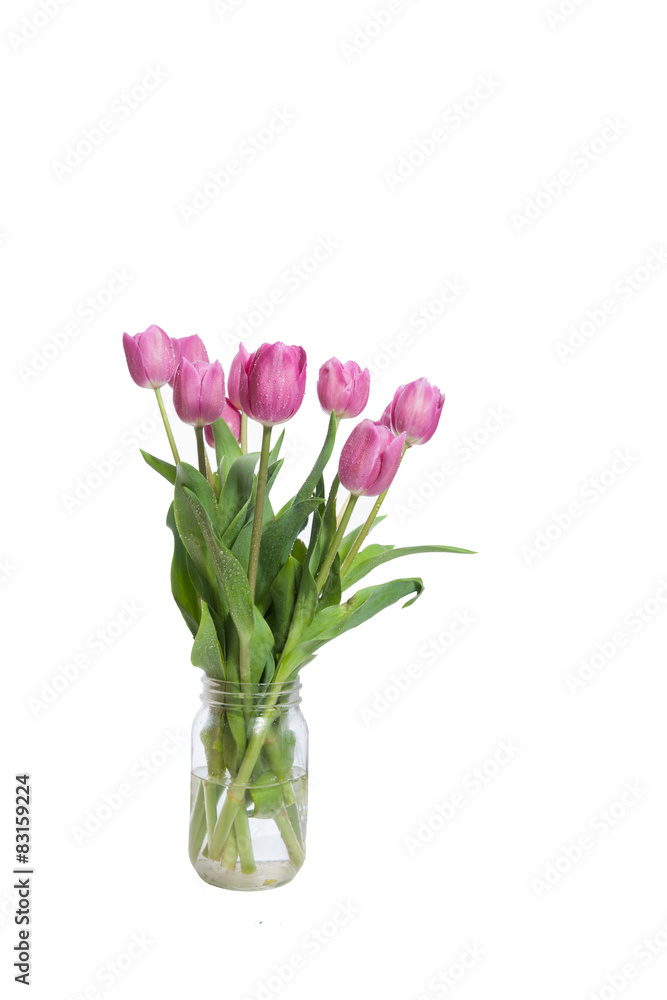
221,692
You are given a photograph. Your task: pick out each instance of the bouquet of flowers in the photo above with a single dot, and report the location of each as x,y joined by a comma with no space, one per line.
261,590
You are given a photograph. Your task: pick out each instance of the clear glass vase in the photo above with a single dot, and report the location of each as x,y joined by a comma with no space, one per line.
249,785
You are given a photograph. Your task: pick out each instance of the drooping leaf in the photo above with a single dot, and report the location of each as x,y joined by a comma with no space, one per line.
165,469
376,555
182,587
334,621
206,652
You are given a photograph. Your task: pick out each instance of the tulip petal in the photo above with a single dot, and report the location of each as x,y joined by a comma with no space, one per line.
134,361
187,387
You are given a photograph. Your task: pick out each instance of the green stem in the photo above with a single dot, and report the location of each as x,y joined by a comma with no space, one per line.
293,846
244,434
256,538
236,790
230,852
201,450
335,545
197,823
244,842
167,427
370,520
211,796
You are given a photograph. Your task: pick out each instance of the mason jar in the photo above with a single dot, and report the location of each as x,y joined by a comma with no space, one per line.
249,785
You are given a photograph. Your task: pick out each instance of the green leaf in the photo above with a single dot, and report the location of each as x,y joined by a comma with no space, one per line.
283,597
304,609
267,794
206,652
165,469
277,542
209,553
182,587
332,591
327,448
237,490
227,448
351,537
334,621
188,476
275,451
375,555
260,647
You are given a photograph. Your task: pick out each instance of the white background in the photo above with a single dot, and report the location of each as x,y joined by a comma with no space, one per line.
359,100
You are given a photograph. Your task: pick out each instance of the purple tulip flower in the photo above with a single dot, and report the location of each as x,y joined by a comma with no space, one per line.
416,410
370,459
272,383
199,392
150,357
343,388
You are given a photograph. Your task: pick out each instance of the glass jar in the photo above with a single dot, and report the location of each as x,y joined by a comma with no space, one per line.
249,785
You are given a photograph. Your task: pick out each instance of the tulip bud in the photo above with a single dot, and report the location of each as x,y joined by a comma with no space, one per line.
370,459
272,383
199,392
415,410
191,348
385,419
232,418
234,375
150,357
343,388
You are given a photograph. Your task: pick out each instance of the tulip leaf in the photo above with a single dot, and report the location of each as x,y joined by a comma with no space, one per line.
275,451
260,647
208,553
206,652
188,476
237,489
334,621
304,609
227,448
283,596
327,448
165,469
332,591
278,539
351,537
375,555
182,587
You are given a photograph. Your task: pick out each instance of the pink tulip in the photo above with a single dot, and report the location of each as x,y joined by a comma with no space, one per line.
370,459
150,357
272,383
343,388
385,419
232,418
234,375
191,348
415,410
199,392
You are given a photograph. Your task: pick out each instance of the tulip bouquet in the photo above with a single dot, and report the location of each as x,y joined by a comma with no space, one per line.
259,599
